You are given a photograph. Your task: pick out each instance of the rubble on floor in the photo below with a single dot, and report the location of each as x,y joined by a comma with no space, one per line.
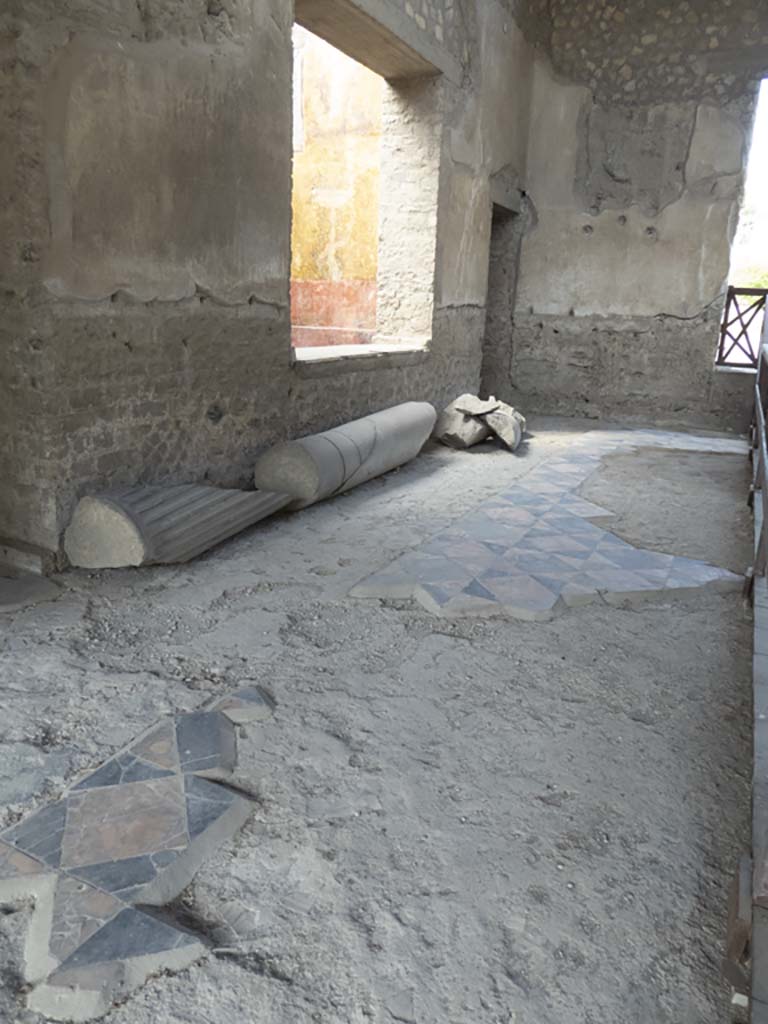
469,420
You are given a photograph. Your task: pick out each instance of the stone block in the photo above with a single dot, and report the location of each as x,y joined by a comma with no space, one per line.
457,427
469,420
323,465
156,525
507,424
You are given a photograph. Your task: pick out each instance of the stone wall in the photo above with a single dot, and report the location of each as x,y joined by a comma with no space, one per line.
647,107
654,51
145,243
145,236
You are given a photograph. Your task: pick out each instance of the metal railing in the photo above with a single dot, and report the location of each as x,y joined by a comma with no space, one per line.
740,331
759,455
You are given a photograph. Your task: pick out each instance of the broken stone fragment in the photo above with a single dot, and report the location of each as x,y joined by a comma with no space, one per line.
469,420
474,406
507,424
458,428
156,525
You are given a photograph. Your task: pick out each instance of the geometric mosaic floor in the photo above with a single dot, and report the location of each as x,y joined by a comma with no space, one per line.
537,548
128,836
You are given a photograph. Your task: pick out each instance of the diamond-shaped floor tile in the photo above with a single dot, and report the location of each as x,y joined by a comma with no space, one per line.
138,818
122,768
41,834
207,743
79,911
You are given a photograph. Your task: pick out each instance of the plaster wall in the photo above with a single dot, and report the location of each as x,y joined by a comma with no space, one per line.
145,241
625,262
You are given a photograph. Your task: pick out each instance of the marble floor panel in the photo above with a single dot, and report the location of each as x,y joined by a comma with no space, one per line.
538,548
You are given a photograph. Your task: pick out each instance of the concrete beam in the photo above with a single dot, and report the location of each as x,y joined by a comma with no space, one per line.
378,35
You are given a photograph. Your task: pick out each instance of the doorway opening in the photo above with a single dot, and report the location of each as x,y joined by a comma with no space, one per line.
507,229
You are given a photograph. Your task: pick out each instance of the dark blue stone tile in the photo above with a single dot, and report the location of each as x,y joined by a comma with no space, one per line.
130,934
124,876
476,589
121,769
440,595
495,574
206,802
206,740
41,834
496,549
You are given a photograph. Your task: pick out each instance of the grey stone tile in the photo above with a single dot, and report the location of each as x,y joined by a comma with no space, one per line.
476,589
206,803
658,577
130,934
572,525
637,559
15,864
514,517
581,507
145,818
435,568
496,549
441,594
698,573
121,769
206,742
522,592
560,545
555,584
578,592
129,877
539,561
41,834
158,746
79,911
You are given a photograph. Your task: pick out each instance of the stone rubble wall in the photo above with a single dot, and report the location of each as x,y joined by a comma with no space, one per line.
624,264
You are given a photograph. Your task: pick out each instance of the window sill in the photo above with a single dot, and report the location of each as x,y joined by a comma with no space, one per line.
327,361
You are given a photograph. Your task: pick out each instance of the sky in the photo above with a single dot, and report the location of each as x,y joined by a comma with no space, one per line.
750,249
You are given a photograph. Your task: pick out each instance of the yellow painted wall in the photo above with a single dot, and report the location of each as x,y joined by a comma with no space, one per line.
336,166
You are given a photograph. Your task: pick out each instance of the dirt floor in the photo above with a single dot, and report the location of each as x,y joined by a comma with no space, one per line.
473,822
682,502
